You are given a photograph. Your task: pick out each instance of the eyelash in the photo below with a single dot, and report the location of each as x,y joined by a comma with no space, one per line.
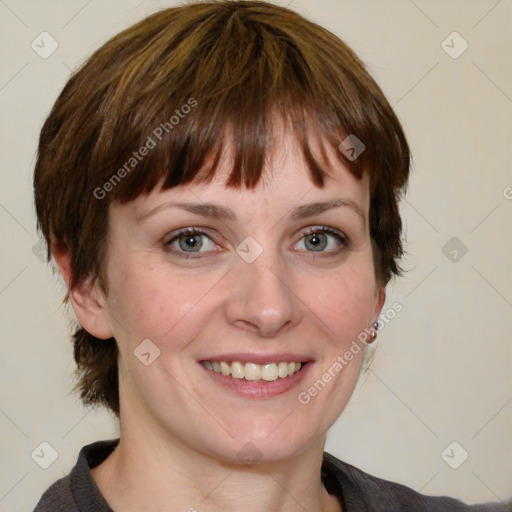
314,230
342,239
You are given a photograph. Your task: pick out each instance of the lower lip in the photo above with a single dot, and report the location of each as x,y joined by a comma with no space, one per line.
260,388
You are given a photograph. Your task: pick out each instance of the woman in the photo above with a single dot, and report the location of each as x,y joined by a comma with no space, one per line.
218,185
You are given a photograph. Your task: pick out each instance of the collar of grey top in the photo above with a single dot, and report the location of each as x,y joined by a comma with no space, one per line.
357,491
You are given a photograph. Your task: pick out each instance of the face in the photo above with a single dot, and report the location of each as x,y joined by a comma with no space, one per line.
232,287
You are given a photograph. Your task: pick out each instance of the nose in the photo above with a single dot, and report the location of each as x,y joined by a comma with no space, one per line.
261,297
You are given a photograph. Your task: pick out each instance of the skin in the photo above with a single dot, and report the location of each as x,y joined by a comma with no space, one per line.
181,431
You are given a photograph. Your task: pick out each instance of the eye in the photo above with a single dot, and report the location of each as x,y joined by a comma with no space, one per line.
322,239
190,240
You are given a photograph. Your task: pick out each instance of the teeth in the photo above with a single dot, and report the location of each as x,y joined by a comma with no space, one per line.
282,370
225,369
252,371
237,370
269,372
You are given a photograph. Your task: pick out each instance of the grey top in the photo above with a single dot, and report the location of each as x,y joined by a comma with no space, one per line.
356,490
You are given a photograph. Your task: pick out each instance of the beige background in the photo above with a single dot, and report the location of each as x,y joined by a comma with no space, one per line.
443,367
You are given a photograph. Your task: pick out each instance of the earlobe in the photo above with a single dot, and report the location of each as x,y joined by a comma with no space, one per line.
380,298
86,297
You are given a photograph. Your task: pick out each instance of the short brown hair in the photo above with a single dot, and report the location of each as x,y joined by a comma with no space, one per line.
233,65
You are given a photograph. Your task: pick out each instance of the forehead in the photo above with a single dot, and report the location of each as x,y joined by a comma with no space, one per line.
285,182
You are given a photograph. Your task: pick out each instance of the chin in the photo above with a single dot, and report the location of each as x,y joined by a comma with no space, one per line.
262,445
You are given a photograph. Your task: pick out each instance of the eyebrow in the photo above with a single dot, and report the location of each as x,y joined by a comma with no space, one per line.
210,210
214,211
310,209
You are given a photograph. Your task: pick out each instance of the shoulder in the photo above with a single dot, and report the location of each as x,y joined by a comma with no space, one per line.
57,498
77,492
362,491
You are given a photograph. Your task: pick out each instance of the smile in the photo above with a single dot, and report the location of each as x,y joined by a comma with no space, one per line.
253,371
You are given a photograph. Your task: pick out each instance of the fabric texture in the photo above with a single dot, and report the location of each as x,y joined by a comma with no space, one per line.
356,490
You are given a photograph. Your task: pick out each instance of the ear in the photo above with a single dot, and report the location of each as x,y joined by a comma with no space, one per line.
380,298
87,299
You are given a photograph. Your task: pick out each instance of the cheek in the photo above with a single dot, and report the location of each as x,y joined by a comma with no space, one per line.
152,302
345,303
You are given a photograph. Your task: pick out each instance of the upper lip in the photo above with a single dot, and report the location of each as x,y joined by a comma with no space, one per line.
259,358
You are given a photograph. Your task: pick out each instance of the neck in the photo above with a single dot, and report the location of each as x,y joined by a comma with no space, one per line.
151,472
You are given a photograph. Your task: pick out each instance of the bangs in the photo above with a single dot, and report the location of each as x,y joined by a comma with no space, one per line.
193,151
